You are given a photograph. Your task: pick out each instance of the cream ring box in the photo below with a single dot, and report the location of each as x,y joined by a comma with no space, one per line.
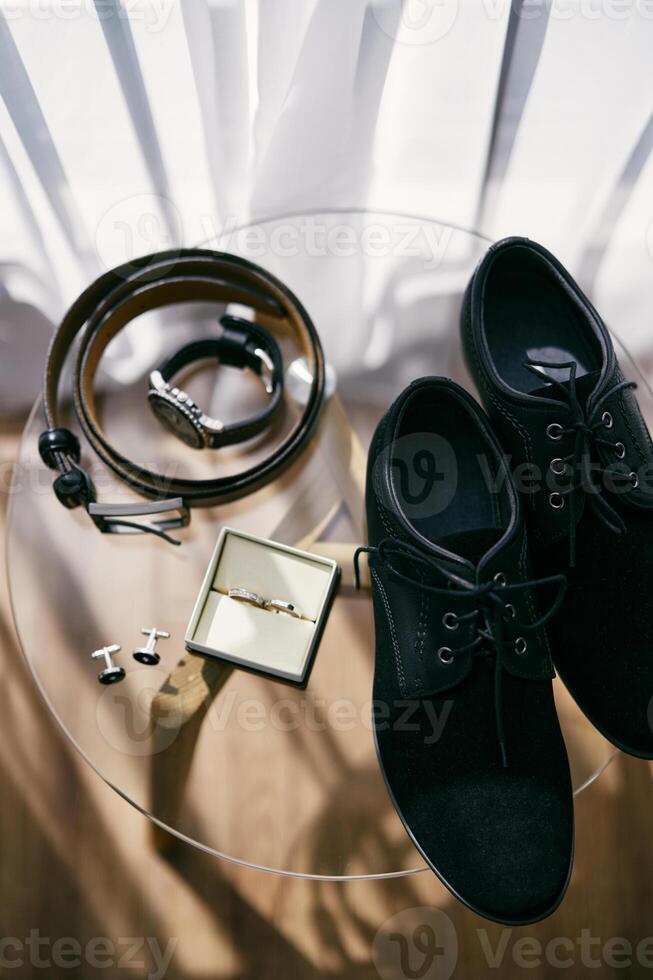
247,635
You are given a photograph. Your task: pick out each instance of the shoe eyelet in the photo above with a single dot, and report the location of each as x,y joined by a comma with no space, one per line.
558,466
554,431
556,500
450,621
606,418
521,646
634,480
620,450
510,611
500,579
445,656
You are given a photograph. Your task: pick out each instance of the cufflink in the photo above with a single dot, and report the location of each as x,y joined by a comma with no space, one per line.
111,674
147,654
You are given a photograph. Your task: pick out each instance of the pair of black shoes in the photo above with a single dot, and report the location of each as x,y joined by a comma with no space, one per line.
471,617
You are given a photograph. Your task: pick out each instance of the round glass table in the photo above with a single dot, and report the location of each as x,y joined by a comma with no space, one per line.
255,771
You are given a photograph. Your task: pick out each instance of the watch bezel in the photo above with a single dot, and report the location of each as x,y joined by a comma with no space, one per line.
192,433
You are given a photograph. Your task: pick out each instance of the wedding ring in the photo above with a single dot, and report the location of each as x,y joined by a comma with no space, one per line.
285,608
243,595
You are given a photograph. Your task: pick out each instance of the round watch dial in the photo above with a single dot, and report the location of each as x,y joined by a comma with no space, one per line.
176,420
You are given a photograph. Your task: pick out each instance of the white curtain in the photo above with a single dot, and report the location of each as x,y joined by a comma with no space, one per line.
129,126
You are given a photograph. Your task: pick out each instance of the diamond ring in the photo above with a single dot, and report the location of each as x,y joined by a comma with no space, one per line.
244,595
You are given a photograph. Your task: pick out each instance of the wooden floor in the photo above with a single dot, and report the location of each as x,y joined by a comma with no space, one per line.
78,866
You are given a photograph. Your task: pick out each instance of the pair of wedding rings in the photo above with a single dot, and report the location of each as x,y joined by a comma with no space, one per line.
272,605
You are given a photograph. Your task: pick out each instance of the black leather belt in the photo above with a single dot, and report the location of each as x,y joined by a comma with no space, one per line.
99,314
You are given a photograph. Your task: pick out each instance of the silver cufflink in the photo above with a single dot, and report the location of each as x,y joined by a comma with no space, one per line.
111,674
147,654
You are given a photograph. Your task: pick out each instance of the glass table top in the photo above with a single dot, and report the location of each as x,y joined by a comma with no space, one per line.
262,769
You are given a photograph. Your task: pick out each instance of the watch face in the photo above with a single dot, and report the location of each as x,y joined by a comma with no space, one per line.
176,421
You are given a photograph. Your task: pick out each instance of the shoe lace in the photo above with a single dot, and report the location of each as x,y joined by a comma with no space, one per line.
586,428
489,613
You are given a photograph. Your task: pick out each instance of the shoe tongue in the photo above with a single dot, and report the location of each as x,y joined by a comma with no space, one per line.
585,384
472,544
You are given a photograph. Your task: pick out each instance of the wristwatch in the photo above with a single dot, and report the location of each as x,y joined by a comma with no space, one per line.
242,345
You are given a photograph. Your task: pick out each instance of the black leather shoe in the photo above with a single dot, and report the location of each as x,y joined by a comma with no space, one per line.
582,457
466,728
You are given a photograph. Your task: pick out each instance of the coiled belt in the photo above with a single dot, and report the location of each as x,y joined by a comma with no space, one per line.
102,310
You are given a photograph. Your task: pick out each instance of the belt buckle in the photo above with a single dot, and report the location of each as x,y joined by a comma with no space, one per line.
266,370
115,518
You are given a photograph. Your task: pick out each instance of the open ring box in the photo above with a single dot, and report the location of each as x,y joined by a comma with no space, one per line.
258,638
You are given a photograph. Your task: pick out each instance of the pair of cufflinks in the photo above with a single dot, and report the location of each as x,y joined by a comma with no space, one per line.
144,655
